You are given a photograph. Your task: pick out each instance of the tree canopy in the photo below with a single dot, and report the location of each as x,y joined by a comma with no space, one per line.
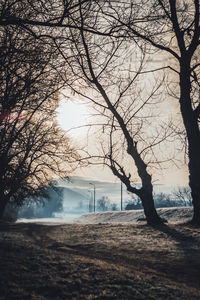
33,149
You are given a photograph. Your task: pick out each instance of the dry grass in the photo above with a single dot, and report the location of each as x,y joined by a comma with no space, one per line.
99,262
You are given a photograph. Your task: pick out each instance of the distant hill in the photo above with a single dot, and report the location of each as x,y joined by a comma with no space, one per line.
112,190
74,200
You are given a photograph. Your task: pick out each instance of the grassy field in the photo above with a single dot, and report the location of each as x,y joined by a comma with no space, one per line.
103,261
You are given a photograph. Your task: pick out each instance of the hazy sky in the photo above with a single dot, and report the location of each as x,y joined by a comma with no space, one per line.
72,114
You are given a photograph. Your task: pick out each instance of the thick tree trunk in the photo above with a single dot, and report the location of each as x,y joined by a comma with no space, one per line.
194,172
194,177
146,192
149,209
190,121
146,196
196,203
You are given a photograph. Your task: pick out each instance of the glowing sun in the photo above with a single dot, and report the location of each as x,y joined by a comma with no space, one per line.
72,117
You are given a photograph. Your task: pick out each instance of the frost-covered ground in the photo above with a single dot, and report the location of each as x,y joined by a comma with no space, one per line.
116,261
173,215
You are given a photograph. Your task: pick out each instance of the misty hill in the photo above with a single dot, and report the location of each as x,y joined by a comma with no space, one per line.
85,187
83,184
83,191
74,200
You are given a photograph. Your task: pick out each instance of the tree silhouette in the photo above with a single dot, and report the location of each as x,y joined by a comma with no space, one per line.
104,78
33,150
172,28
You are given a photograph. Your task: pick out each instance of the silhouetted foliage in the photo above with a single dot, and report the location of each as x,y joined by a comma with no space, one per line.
33,150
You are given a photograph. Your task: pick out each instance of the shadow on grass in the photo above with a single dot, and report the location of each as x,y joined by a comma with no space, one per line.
183,240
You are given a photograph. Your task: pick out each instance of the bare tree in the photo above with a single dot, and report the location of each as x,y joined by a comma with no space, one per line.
35,16
183,194
169,26
33,150
173,29
104,76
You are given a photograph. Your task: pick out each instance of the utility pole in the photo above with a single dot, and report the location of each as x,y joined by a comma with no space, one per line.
121,196
90,200
94,193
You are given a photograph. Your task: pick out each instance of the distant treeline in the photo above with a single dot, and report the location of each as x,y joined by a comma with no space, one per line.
179,197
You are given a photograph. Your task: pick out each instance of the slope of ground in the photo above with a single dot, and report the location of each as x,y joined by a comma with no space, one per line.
173,215
99,261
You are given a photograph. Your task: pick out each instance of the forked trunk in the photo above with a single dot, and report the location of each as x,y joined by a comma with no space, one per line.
146,191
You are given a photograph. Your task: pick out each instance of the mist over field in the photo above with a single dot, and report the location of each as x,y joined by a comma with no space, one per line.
74,197
78,193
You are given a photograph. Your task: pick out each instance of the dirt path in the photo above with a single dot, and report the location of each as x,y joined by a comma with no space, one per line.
99,262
